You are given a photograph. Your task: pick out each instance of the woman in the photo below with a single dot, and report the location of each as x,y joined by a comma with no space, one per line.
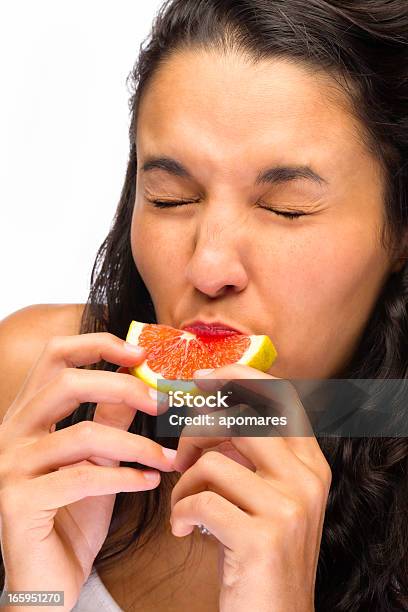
267,186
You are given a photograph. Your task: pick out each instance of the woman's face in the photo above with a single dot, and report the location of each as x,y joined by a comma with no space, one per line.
309,282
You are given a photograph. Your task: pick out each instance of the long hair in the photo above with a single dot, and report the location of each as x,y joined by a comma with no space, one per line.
363,44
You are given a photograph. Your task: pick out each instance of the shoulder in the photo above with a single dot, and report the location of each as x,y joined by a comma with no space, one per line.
30,327
23,334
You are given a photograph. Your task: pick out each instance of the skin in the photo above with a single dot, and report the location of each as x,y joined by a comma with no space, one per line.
310,286
70,477
269,539
309,283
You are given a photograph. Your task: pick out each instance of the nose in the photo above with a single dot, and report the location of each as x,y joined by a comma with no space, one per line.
216,266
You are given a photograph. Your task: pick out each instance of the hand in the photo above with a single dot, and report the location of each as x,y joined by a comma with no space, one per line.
57,488
267,512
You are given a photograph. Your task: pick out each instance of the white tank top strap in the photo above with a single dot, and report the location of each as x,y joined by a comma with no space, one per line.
95,596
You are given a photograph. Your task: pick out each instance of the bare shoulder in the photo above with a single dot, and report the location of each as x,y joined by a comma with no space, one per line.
23,334
31,326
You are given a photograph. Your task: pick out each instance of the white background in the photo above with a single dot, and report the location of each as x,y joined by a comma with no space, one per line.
64,122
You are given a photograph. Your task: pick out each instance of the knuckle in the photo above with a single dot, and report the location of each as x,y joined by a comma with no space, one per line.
85,430
205,500
285,390
82,475
318,490
108,336
68,378
54,344
131,389
12,501
133,384
327,475
130,384
7,466
293,512
103,338
210,461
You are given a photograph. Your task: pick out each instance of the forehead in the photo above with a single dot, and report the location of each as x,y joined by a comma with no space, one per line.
225,111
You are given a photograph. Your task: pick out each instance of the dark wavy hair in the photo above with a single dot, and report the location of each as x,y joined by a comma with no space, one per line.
363,45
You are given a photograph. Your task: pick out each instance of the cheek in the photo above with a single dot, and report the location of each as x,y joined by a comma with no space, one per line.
322,287
323,267
156,252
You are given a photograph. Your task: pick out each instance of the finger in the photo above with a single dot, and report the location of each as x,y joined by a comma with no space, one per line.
272,457
220,474
87,438
78,350
196,438
69,485
275,459
280,394
221,375
115,415
119,416
224,520
71,387
193,441
190,449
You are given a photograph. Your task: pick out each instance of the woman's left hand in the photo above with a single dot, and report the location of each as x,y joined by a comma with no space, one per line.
268,517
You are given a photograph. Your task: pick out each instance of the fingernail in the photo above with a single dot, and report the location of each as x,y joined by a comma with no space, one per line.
169,452
200,373
133,348
151,475
153,393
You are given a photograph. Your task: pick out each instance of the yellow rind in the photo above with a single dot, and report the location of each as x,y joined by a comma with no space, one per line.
260,355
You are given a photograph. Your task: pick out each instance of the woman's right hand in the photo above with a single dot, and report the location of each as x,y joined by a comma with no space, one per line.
57,488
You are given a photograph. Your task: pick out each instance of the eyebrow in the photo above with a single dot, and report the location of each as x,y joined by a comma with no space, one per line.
275,174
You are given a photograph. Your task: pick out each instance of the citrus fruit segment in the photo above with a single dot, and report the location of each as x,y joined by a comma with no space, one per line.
174,354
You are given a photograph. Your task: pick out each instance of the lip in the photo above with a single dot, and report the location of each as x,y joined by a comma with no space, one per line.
211,328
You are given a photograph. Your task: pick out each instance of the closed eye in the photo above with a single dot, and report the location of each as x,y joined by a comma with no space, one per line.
285,213
171,203
174,203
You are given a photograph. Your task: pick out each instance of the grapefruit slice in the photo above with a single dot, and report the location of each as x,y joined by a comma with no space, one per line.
174,354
